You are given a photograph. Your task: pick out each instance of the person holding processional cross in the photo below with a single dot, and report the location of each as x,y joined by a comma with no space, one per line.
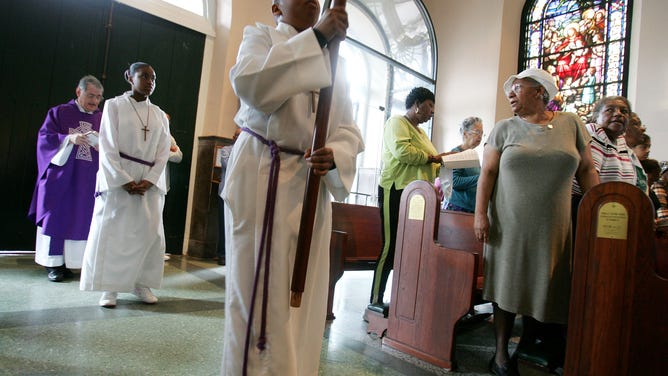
277,77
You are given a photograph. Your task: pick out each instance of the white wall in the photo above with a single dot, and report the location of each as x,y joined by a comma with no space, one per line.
648,71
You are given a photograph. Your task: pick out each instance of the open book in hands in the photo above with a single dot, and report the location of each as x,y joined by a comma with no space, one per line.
466,159
92,137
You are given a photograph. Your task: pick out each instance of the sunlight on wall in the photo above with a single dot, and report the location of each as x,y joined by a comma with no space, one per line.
196,7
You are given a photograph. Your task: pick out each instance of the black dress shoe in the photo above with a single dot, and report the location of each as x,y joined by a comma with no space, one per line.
506,369
380,308
56,274
67,273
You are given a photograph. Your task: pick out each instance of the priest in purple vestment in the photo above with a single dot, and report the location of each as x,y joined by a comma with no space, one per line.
67,162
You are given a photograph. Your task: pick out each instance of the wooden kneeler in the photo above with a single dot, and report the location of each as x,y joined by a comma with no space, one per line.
619,304
432,286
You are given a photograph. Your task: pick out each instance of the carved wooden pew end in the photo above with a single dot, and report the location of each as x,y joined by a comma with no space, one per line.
433,285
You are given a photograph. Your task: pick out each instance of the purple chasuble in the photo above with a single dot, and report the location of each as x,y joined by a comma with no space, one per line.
63,199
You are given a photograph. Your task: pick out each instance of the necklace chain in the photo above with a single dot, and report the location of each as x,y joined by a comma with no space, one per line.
144,126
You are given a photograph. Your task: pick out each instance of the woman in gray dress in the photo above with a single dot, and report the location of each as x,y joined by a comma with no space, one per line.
523,210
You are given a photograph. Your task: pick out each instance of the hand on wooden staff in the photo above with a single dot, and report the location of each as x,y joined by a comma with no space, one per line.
333,24
321,160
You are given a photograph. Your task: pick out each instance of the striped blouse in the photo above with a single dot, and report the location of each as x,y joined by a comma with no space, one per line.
659,189
612,160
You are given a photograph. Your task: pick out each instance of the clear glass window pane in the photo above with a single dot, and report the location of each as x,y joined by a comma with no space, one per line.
388,51
406,36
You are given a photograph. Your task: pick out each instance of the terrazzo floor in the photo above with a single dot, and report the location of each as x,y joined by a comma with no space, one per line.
51,328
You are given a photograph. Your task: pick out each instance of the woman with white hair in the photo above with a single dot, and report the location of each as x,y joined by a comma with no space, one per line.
523,211
465,180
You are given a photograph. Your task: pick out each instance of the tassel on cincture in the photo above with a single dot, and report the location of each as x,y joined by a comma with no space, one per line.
262,343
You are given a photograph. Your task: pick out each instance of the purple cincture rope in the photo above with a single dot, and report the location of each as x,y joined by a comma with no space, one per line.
140,161
265,243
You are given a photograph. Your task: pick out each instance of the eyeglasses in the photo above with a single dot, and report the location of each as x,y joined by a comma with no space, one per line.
515,88
93,96
475,132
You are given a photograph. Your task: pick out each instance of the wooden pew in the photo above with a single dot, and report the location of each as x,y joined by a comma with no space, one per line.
356,242
432,285
455,231
619,303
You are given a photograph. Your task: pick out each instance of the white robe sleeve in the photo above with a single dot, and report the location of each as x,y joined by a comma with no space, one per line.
111,174
175,156
266,75
156,174
64,151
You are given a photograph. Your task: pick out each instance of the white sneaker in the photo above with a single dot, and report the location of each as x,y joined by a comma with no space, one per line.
145,294
108,299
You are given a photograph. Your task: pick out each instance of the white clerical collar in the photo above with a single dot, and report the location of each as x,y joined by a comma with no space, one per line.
286,28
129,95
81,109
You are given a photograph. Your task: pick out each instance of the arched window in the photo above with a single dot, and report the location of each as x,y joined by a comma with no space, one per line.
583,43
389,49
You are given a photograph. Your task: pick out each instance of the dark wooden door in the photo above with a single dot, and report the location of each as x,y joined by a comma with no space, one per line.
46,46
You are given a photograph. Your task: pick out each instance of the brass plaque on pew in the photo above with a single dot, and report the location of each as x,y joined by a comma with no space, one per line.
612,221
416,208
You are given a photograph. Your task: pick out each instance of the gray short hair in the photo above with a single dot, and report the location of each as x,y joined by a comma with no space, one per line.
89,79
468,123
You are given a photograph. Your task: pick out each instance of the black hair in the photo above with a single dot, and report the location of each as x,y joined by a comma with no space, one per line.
419,95
605,100
134,67
644,139
651,166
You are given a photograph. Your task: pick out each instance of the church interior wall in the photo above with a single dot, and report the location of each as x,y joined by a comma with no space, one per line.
478,43
648,71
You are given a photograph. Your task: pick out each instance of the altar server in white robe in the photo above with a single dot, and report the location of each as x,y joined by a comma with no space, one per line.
277,76
126,242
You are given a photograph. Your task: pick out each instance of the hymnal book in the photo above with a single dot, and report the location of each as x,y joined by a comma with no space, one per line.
465,159
92,137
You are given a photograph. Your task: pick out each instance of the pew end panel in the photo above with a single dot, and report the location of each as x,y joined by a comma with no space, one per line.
618,301
432,285
455,231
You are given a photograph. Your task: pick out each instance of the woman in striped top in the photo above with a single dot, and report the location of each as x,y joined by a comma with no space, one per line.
612,156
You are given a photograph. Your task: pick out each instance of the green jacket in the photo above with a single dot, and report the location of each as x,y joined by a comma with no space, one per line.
406,150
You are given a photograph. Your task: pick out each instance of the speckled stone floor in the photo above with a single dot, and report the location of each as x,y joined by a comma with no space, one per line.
51,328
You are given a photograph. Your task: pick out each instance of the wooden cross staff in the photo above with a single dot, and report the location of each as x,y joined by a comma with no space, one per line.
313,180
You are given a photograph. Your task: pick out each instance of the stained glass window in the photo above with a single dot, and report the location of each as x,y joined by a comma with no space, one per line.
583,44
